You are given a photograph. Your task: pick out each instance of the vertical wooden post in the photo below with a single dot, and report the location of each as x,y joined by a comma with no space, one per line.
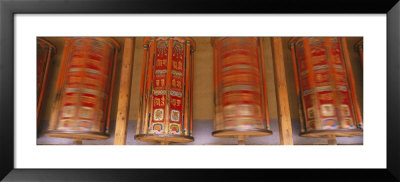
124,93
241,140
349,70
143,91
332,140
77,142
285,125
187,88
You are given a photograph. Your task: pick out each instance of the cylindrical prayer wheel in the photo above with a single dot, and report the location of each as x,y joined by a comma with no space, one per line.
326,88
45,51
359,46
165,113
240,88
84,89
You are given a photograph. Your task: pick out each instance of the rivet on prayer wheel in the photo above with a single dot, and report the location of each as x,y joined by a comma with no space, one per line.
84,89
165,113
325,87
240,88
45,51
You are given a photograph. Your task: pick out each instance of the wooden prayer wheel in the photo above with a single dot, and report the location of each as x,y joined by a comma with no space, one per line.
84,89
240,89
359,46
325,87
165,113
45,51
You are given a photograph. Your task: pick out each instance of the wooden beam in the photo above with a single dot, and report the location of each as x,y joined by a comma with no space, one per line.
124,92
285,124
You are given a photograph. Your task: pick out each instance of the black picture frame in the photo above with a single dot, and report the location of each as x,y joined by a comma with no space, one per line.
9,8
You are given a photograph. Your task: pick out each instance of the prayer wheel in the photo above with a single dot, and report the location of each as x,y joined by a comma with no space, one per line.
325,87
84,89
240,88
165,113
359,46
45,51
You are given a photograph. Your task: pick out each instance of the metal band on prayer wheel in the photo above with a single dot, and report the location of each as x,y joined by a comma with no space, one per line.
239,88
326,88
45,51
165,113
84,89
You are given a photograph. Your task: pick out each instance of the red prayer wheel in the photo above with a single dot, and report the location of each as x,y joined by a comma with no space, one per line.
165,113
45,51
84,89
326,87
240,88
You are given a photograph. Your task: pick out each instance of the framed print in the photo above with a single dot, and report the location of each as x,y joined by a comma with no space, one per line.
98,48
